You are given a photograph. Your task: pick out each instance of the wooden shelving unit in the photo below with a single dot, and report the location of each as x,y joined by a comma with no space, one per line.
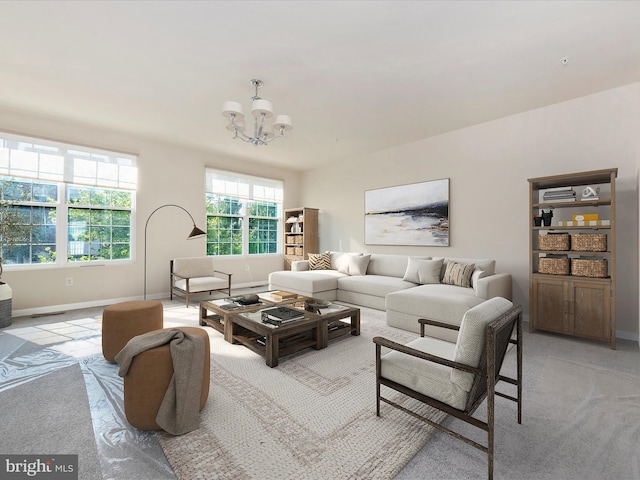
569,304
300,234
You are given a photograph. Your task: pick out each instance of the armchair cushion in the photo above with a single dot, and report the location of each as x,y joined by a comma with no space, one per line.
428,378
189,267
471,337
202,284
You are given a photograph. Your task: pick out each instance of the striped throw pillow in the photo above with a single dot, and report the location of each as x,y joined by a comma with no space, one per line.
320,261
458,274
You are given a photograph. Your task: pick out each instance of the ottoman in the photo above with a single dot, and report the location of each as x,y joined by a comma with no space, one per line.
123,321
148,378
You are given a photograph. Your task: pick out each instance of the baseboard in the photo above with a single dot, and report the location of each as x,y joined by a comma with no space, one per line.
52,309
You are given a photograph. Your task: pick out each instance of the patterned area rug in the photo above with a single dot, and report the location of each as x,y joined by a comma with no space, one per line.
311,417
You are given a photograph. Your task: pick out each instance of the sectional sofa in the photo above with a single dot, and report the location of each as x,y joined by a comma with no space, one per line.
406,287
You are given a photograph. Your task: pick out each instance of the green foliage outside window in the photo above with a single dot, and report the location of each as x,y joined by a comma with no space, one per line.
225,222
98,233
27,231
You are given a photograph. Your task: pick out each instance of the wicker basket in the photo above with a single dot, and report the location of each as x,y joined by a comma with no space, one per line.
582,267
554,242
553,266
589,242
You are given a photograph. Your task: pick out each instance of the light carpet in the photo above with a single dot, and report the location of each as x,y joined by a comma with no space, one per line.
311,417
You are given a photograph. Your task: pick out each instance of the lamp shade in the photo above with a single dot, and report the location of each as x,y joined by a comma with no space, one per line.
196,233
260,106
236,125
283,121
232,108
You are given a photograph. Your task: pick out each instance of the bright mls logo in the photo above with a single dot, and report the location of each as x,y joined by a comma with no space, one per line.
49,467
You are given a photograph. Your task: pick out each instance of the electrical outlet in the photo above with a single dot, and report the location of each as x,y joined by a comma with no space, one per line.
68,281
246,267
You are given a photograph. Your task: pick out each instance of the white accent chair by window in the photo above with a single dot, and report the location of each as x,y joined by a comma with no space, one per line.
189,275
456,378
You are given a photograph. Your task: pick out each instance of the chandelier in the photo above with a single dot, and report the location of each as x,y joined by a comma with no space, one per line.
263,132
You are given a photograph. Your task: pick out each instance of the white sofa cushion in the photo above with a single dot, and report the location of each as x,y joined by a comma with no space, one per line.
307,281
471,337
445,303
434,381
376,285
389,265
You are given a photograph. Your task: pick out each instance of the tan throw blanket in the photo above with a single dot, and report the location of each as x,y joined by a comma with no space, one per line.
180,408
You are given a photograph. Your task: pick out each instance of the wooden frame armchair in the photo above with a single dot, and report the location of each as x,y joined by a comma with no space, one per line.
456,378
190,275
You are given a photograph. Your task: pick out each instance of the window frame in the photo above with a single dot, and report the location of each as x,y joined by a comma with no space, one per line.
69,166
242,188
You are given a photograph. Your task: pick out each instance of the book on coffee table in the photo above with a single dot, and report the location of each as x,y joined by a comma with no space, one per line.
283,295
281,315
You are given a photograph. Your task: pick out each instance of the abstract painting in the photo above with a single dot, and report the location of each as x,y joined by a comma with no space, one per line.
415,214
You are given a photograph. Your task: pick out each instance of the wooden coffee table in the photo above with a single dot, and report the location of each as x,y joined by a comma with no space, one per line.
244,325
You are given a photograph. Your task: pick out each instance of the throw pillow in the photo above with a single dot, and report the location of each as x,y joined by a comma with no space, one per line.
358,264
458,274
477,275
342,261
411,273
354,264
429,271
320,261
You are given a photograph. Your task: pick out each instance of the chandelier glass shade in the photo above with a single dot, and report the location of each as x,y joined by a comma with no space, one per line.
264,131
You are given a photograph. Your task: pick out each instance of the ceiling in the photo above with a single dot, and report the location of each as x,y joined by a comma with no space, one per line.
356,77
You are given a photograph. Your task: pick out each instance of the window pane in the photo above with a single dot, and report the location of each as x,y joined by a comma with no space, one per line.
224,235
93,236
263,236
39,232
78,195
217,204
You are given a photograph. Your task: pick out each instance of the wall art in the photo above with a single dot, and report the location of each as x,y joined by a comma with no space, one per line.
414,214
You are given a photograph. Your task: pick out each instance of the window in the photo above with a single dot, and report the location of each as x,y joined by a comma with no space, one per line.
243,214
77,202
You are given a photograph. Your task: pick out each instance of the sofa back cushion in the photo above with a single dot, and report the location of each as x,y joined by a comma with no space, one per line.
388,265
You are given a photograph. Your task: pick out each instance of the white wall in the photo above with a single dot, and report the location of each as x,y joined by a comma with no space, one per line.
166,174
489,165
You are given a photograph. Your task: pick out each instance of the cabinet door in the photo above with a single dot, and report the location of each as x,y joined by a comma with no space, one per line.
549,306
591,307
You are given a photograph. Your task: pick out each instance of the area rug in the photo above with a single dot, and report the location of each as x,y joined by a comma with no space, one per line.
311,417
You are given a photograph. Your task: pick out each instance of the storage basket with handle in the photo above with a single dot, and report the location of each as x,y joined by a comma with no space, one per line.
589,267
589,242
553,265
554,242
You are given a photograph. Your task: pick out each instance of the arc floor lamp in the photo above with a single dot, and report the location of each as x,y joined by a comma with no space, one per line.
195,233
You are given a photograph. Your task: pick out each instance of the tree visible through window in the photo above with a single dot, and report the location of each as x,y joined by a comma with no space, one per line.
243,214
77,202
